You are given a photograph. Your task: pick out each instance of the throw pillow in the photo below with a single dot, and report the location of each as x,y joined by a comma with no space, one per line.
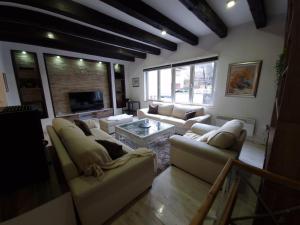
226,136
153,109
204,137
114,150
189,115
83,126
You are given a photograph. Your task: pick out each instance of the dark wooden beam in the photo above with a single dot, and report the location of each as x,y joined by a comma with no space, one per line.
84,14
258,11
55,24
29,35
206,14
149,15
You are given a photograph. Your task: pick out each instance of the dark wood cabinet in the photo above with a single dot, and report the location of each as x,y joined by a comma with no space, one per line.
283,146
119,71
29,81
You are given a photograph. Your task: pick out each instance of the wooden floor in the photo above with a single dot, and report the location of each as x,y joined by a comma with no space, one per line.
173,200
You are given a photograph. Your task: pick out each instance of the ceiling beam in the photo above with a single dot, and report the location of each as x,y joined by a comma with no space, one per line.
55,24
149,15
13,32
258,11
207,15
84,14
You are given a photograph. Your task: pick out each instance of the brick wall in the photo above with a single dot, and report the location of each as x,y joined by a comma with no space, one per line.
72,75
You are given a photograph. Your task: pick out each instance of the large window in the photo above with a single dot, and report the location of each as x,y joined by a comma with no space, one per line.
203,83
184,83
152,87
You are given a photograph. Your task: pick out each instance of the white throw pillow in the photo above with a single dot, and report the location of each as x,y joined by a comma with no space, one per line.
205,136
91,123
226,136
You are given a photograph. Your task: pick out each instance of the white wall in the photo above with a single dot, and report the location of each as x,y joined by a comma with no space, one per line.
243,43
7,67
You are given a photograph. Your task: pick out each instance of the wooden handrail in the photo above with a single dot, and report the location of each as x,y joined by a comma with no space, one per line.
294,184
212,194
216,187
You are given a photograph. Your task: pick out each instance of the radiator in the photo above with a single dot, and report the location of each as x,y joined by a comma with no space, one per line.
249,124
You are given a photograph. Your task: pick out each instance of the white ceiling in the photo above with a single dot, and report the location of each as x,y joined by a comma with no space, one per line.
174,9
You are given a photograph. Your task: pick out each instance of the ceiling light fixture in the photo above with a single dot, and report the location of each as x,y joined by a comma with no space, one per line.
58,57
80,60
230,3
50,35
24,52
100,62
163,32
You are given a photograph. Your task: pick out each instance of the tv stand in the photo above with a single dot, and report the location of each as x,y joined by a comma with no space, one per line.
88,114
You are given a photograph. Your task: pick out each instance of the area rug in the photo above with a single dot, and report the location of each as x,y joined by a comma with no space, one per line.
161,147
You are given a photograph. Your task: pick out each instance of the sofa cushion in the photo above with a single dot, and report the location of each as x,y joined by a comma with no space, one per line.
174,121
179,111
153,109
83,126
87,154
59,123
227,135
154,116
165,109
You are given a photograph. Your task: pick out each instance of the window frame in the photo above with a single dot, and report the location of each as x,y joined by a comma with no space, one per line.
173,81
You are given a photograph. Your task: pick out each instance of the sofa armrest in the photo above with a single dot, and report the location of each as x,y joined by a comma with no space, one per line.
199,119
201,149
141,113
200,128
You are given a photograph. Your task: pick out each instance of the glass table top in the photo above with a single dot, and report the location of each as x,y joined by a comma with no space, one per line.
137,128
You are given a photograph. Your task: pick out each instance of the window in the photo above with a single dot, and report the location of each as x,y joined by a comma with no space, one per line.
203,83
165,85
152,85
182,84
186,83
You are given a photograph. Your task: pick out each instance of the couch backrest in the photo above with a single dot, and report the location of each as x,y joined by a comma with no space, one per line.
177,110
69,168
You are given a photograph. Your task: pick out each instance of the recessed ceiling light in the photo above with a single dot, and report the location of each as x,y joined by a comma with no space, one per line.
24,52
230,3
163,32
50,35
58,57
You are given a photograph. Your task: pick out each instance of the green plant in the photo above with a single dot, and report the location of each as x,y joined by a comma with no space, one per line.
280,65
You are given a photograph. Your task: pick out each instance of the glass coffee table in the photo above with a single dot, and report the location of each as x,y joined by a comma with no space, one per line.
144,132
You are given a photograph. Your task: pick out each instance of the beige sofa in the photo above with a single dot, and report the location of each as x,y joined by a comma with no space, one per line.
199,158
98,198
174,114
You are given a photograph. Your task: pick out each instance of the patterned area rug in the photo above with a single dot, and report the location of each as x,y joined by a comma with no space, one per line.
162,150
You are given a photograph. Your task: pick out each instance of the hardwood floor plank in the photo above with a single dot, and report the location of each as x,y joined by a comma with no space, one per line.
173,199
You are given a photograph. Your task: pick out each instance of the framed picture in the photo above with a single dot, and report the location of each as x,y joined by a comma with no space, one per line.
242,79
135,82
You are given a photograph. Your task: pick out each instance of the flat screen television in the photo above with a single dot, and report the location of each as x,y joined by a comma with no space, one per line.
85,101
